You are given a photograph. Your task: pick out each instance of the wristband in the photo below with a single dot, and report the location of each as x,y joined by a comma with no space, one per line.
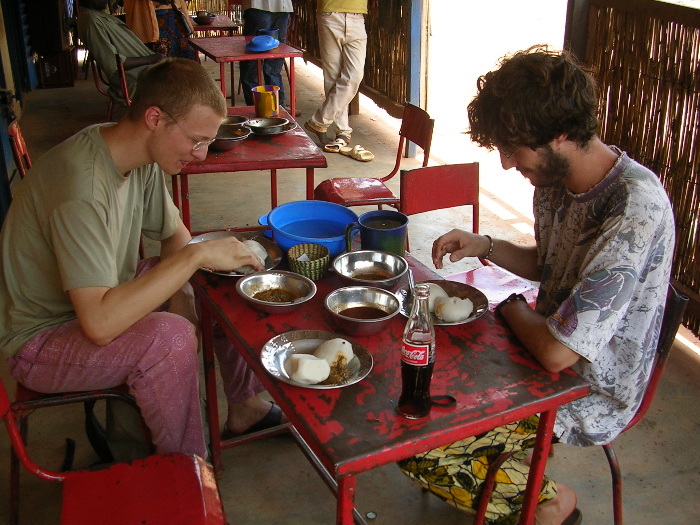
490,252
512,297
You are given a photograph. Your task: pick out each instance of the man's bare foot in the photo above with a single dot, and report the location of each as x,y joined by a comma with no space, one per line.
242,416
557,510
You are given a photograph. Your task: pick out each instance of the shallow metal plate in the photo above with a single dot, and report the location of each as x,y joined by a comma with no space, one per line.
453,289
289,126
274,252
276,350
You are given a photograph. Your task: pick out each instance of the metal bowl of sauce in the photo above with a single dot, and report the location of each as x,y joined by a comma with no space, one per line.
361,310
275,291
370,268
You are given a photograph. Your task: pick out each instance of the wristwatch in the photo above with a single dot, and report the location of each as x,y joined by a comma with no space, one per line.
512,297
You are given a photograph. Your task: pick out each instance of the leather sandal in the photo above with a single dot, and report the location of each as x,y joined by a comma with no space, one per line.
322,135
272,419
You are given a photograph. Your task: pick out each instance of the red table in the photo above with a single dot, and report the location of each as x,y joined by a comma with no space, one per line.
293,149
221,24
350,430
230,49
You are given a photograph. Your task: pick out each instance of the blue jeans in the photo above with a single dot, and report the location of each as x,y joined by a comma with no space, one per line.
253,20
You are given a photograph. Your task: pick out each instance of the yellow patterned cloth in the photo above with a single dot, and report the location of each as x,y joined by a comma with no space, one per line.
457,471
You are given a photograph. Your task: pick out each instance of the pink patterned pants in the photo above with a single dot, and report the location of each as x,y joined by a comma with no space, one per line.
156,357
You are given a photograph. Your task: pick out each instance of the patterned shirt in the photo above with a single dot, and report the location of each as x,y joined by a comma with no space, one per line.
606,257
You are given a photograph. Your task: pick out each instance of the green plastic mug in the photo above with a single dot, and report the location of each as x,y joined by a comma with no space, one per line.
383,230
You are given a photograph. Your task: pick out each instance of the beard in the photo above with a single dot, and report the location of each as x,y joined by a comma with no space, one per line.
552,169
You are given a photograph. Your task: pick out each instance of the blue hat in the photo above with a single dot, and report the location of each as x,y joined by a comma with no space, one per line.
262,43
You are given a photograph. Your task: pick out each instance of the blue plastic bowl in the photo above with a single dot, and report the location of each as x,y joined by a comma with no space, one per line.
317,222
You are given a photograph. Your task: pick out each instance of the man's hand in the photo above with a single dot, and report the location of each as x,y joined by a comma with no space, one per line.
227,254
459,244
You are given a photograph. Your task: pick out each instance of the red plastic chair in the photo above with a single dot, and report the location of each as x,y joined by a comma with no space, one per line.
27,401
165,489
417,127
673,316
19,149
439,187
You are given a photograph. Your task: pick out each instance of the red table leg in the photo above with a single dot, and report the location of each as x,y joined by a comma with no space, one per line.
346,500
273,188
175,183
292,95
309,184
543,443
185,196
222,77
208,358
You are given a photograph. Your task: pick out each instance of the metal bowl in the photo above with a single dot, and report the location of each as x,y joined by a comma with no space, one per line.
234,120
205,20
370,268
227,136
295,288
267,126
366,299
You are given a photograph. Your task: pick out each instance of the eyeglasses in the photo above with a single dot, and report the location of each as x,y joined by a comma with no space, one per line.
198,144
509,155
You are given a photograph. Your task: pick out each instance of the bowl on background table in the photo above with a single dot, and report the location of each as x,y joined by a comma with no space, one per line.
267,126
204,19
228,136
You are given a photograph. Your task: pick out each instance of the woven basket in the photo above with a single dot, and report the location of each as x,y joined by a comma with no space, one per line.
314,268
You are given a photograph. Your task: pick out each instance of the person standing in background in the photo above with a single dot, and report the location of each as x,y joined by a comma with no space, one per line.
342,40
257,15
160,27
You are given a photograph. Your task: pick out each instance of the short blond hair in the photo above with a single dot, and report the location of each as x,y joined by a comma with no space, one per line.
176,85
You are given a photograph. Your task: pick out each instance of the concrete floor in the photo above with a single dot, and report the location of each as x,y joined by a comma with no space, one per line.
270,481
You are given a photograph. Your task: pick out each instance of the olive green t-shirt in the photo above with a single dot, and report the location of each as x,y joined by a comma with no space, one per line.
342,6
74,222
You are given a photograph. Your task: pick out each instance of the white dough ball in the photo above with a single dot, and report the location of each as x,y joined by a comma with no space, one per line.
453,309
435,292
259,251
307,369
333,349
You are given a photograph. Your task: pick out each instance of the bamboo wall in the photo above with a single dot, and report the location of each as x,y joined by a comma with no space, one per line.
646,57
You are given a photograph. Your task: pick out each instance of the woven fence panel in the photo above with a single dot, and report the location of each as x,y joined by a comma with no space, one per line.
648,68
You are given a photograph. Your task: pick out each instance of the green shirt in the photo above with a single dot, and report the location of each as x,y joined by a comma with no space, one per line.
342,6
74,222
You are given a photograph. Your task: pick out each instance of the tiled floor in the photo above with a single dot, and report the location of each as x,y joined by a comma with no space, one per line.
270,481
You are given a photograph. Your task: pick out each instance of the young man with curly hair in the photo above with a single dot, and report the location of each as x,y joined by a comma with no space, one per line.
604,235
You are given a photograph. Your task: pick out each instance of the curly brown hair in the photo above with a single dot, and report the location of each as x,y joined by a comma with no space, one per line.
533,97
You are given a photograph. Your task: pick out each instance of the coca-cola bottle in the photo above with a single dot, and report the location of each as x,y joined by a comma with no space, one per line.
417,357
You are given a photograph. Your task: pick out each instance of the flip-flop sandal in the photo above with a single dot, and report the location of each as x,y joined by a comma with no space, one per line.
357,153
272,419
334,147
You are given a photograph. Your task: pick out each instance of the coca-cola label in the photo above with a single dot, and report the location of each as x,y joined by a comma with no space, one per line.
417,355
